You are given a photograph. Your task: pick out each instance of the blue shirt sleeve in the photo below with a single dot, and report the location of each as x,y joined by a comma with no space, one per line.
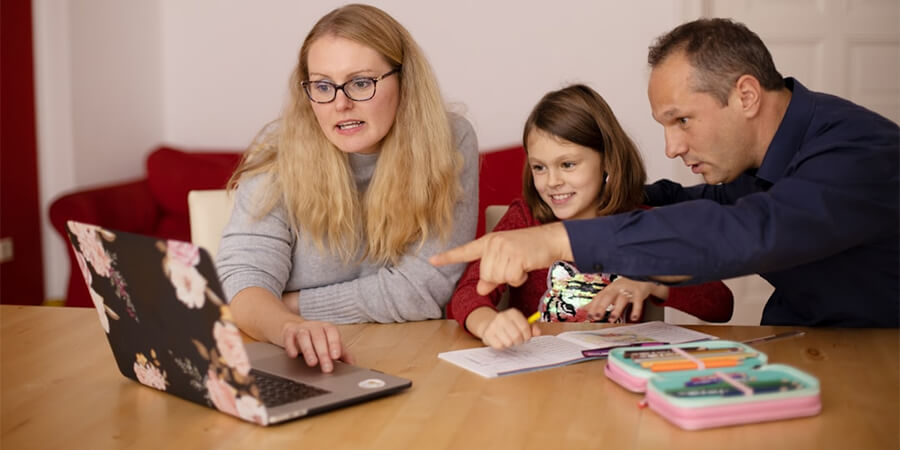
831,198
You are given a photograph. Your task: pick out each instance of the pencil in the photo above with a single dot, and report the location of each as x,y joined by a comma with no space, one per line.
669,367
534,317
774,337
675,357
636,355
650,364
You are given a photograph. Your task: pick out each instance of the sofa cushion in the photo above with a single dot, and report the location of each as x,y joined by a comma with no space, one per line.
499,179
173,173
173,226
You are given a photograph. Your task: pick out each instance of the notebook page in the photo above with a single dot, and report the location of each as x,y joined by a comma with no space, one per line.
634,334
540,352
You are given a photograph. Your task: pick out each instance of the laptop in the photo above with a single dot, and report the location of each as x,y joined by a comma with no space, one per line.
161,305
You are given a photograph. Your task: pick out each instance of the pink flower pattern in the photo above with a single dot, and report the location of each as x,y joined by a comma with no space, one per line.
150,375
222,395
190,286
221,378
249,408
92,249
231,346
183,252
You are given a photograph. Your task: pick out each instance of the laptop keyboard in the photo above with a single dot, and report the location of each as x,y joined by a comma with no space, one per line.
277,391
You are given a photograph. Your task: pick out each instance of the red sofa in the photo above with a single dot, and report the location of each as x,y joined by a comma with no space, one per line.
157,204
499,179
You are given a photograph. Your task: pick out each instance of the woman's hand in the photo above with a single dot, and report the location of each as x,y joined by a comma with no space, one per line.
319,342
620,293
501,330
292,301
268,318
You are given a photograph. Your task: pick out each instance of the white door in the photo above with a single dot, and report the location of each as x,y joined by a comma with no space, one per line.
849,48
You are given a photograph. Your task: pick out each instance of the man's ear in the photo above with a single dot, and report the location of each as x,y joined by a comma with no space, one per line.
749,93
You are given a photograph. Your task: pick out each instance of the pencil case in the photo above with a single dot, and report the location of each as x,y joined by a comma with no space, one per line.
628,366
748,392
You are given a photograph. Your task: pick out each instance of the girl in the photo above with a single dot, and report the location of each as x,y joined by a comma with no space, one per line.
341,201
581,164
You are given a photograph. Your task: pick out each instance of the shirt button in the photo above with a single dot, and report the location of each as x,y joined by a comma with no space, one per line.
598,268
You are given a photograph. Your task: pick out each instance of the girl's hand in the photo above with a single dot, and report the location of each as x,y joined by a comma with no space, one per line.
319,342
620,293
509,327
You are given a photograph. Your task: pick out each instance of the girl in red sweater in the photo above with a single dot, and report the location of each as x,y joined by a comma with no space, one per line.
580,165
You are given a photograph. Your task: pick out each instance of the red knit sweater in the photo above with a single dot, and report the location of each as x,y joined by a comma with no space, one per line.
712,302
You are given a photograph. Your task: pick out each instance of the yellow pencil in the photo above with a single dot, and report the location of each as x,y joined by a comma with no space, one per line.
534,317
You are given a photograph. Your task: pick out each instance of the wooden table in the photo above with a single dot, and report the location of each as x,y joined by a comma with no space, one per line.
59,388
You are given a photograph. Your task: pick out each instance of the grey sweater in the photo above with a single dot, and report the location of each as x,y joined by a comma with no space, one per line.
265,253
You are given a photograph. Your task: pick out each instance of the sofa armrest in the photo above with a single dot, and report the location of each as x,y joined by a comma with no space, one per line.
127,206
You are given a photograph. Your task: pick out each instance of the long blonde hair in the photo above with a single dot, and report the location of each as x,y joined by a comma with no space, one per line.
415,186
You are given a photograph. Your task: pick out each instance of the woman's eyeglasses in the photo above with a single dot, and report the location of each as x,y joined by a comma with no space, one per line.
358,89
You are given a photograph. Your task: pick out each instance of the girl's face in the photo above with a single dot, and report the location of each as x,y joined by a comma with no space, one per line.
567,176
353,126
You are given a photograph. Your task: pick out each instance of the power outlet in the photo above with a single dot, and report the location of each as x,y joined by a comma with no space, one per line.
6,249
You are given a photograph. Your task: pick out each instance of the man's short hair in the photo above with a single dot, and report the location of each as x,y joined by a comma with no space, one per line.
720,51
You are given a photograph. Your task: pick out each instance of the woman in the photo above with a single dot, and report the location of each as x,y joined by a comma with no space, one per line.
341,201
581,164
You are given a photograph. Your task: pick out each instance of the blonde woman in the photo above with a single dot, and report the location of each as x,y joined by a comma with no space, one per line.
339,204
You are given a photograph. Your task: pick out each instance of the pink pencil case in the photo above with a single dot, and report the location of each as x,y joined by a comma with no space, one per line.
713,397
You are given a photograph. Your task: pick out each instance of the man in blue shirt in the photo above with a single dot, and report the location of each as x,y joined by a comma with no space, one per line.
801,188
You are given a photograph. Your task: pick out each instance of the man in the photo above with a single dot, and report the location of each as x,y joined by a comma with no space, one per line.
801,187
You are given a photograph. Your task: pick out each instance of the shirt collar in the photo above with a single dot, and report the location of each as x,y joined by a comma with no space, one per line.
789,137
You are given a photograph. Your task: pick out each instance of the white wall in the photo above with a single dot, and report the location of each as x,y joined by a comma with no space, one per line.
99,102
226,63
115,78
54,129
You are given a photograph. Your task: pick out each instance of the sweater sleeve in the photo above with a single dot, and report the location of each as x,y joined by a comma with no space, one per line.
254,251
466,299
413,289
712,301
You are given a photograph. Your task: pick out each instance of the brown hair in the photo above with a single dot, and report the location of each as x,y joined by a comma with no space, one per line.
579,114
720,51
418,165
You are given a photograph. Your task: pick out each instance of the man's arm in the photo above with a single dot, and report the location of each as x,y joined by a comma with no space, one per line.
667,192
508,256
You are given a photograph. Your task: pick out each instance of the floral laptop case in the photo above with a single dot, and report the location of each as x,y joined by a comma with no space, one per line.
161,306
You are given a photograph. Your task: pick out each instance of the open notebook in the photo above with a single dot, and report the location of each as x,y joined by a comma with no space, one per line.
544,352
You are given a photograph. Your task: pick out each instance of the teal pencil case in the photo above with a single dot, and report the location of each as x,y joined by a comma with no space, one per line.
631,367
714,383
